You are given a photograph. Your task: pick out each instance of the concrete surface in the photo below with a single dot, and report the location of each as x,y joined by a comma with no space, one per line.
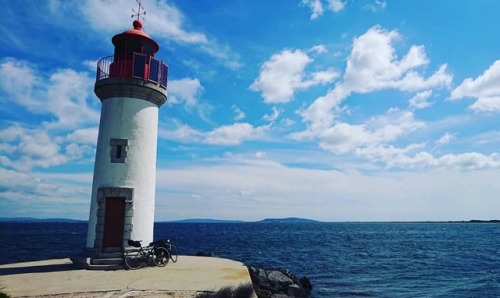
58,278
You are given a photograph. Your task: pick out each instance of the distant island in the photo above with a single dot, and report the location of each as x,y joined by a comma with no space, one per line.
215,221
287,220
267,220
205,220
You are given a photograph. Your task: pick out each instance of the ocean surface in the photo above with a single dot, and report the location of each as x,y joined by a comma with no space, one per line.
341,259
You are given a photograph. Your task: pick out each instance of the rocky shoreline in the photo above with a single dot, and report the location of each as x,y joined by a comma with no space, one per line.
273,283
279,283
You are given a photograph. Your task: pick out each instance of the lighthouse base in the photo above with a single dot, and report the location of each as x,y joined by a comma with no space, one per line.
109,259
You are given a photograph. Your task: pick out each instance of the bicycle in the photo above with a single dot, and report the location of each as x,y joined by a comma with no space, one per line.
167,244
136,258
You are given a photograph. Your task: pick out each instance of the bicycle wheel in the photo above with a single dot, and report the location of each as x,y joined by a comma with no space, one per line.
173,254
160,256
134,259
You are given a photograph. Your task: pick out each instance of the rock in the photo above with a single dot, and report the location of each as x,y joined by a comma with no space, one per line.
278,277
278,284
306,283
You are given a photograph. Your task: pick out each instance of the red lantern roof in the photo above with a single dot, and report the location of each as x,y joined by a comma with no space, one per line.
137,32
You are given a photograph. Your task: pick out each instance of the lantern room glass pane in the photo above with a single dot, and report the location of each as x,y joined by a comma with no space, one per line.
164,74
154,70
139,63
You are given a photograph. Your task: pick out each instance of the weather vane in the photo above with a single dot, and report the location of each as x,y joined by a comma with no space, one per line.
138,13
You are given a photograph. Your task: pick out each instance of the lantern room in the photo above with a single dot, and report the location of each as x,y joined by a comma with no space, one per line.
134,41
134,57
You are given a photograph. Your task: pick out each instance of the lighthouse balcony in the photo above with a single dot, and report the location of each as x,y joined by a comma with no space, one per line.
137,76
139,66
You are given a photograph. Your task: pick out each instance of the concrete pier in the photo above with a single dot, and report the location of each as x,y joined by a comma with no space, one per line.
187,277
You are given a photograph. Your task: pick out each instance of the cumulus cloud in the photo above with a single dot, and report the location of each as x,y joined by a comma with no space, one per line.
225,135
238,113
163,21
63,99
184,91
485,89
273,116
23,75
65,95
470,161
67,98
376,6
318,49
313,190
377,131
317,6
233,134
84,136
284,73
336,5
445,139
372,66
419,101
24,149
182,133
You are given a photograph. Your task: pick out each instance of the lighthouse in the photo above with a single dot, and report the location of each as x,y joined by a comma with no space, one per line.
132,86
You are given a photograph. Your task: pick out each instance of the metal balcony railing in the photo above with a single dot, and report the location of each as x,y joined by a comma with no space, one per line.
139,66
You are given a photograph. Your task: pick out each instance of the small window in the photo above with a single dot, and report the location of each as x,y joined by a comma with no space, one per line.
118,150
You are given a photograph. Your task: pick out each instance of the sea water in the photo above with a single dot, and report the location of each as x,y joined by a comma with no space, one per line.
340,259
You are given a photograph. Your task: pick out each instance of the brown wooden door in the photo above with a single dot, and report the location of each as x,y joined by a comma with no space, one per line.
114,220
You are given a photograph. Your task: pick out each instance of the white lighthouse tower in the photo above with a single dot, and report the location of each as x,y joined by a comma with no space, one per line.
132,85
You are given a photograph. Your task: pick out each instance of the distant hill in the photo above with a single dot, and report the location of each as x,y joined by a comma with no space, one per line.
31,219
206,220
287,220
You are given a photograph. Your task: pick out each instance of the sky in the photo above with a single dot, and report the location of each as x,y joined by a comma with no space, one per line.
334,110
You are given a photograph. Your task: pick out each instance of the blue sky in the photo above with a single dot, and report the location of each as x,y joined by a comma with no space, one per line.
326,109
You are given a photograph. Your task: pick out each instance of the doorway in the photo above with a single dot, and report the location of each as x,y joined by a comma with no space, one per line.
114,217
114,222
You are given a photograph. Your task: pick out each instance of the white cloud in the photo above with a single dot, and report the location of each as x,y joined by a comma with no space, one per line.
281,75
320,115
163,21
183,133
376,6
486,104
84,136
445,139
233,134
486,85
318,49
64,95
419,101
343,137
22,75
470,161
275,114
25,149
326,194
336,5
284,73
373,65
316,7
184,90
67,96
484,88
239,114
